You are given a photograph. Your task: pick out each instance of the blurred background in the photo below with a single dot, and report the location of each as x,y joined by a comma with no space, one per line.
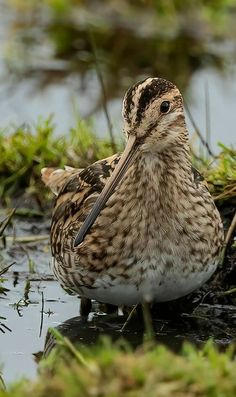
66,57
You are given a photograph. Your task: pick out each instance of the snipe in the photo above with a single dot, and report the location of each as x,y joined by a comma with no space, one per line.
140,226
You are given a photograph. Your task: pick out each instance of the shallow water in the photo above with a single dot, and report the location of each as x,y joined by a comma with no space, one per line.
18,346
22,305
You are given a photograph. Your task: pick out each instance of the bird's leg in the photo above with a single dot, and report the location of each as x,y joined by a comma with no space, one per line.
85,306
110,309
147,318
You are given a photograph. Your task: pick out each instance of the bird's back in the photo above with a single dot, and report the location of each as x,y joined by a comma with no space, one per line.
76,191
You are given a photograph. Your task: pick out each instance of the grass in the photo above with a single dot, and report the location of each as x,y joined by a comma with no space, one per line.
113,370
3,270
27,149
221,175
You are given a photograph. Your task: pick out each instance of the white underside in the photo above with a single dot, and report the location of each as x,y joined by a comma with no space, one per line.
157,288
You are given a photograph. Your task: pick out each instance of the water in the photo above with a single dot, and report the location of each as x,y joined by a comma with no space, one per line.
22,305
18,346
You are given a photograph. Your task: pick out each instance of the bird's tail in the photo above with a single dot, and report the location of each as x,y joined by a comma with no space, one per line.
55,178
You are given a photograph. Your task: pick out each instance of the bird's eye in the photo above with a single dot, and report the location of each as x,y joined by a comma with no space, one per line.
165,106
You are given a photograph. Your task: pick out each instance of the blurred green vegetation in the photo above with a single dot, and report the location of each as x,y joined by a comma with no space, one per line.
54,39
109,369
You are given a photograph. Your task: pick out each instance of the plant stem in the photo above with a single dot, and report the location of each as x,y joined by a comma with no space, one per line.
101,81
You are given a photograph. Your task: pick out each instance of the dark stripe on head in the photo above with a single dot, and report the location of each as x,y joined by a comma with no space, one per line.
129,99
156,88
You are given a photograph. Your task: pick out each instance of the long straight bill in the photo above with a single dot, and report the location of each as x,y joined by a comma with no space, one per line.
125,162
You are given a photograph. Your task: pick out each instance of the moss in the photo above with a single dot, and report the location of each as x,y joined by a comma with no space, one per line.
108,370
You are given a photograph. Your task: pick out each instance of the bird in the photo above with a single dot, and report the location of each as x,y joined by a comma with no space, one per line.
140,226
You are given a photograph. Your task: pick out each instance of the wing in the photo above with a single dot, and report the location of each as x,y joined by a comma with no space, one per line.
76,198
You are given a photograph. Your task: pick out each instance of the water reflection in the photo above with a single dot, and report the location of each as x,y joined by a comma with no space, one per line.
217,322
127,45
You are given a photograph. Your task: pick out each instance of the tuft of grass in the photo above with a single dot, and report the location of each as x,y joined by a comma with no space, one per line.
3,290
221,174
27,149
109,369
5,223
2,384
3,226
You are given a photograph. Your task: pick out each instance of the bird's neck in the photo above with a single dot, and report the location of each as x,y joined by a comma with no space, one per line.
154,191
163,170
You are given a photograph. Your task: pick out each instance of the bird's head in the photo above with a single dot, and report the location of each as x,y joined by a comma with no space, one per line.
153,114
